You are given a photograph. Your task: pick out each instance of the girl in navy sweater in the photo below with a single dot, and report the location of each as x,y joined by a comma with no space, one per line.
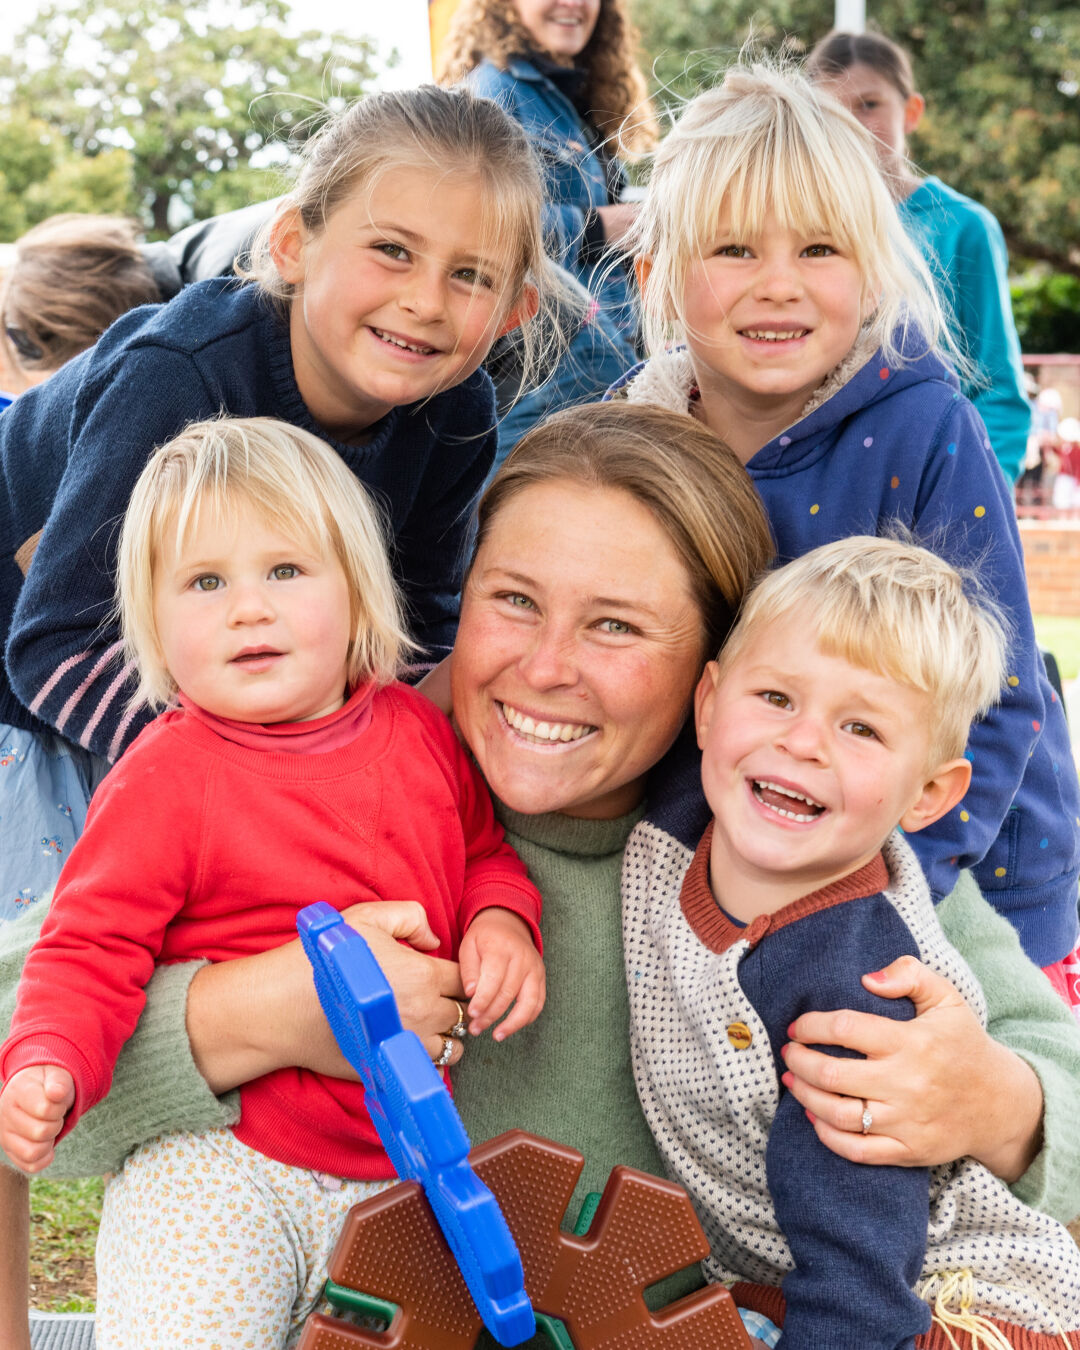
811,340
411,242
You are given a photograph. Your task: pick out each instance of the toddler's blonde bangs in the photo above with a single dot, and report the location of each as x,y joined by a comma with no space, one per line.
297,485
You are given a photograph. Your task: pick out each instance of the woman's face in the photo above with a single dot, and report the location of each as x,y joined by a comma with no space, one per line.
559,27
578,649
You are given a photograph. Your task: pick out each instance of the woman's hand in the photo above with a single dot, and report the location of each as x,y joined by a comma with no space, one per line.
938,1088
259,1013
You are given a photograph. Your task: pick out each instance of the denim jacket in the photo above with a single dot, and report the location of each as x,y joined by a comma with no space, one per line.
573,173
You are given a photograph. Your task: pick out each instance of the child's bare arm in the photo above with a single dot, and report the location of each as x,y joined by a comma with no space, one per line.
33,1105
500,966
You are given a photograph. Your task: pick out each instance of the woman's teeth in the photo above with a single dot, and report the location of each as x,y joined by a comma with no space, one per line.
547,732
767,793
400,342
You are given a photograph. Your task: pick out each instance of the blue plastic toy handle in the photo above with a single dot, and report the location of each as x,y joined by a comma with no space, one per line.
416,1118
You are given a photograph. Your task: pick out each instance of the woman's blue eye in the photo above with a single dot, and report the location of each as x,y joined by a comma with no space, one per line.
617,626
209,582
285,572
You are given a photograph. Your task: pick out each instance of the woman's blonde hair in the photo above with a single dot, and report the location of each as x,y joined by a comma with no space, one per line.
301,488
894,608
72,276
453,133
681,472
766,144
614,88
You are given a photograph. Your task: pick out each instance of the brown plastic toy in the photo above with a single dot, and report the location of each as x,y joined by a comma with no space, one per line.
643,1230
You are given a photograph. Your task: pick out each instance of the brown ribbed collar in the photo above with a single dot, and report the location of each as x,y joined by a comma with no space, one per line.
715,930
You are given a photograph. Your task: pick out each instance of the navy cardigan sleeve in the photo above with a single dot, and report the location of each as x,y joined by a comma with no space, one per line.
857,1233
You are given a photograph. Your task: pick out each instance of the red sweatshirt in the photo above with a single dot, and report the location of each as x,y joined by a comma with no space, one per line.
197,846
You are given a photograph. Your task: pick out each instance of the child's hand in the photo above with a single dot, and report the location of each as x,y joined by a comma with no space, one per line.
33,1105
500,966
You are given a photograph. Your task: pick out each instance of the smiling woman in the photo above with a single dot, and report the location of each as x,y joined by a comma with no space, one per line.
576,616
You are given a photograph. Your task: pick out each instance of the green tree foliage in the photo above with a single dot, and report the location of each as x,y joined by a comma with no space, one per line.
1047,312
40,175
1000,78
186,91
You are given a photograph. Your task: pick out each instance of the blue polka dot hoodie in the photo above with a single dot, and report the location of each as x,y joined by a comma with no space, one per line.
879,444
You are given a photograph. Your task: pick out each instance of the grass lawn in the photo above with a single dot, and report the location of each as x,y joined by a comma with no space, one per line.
1061,635
64,1220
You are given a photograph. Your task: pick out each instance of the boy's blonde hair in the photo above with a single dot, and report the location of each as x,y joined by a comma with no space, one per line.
765,141
891,607
301,488
454,133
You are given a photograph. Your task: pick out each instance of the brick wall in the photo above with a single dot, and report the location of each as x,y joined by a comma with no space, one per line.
1052,562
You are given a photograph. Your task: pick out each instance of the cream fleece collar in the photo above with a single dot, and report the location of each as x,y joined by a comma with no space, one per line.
666,380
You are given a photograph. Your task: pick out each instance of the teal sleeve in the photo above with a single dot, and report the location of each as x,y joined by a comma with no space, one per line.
156,1087
965,248
984,314
1027,1016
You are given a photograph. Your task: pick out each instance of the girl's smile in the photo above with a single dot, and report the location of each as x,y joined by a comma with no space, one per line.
767,318
397,298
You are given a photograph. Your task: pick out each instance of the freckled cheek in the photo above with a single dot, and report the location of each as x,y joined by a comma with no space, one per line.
649,696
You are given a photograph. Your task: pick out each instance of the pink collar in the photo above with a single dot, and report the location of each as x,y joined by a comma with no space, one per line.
317,737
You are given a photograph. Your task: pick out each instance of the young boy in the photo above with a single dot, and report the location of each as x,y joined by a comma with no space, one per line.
838,710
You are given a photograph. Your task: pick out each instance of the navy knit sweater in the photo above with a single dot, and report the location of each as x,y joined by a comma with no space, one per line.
70,452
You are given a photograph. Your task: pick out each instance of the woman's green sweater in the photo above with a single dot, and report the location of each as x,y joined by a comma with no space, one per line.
568,1076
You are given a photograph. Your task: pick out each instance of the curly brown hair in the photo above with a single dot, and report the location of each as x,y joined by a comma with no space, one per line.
615,87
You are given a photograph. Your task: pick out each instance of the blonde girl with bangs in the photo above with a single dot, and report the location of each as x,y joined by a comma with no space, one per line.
257,602
785,307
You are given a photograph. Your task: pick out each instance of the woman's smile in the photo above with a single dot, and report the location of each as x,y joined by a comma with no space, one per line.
577,650
543,730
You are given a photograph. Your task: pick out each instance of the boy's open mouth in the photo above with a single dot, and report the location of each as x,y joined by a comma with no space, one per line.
786,802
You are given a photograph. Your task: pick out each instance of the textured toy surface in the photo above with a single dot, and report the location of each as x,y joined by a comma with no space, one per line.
417,1121
644,1229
